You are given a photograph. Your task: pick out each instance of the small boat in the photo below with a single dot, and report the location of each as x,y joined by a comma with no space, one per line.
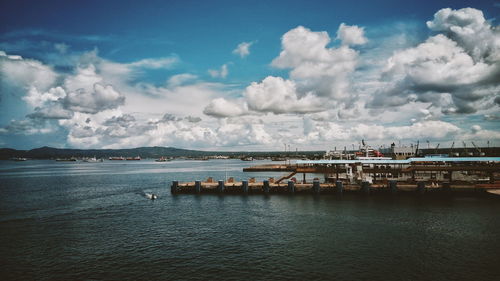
249,158
134,158
151,196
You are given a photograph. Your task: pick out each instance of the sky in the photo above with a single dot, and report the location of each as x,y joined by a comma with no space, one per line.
249,75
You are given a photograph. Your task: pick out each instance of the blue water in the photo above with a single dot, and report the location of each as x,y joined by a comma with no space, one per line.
93,221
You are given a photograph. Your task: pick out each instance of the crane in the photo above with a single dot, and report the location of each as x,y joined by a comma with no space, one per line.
478,149
451,150
436,149
465,149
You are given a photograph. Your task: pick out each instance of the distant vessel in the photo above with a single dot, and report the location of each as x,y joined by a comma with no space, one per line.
72,159
116,158
93,160
19,159
278,159
134,158
162,159
249,158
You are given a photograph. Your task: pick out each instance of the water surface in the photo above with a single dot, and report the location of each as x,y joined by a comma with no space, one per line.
70,221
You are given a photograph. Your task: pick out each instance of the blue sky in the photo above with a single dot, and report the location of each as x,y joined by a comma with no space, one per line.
247,75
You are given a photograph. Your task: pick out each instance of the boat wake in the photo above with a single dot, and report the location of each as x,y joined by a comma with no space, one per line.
150,196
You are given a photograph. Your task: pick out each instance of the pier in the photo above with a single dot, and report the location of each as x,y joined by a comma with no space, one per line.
316,187
365,176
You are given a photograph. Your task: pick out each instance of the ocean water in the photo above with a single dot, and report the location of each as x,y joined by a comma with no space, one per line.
93,221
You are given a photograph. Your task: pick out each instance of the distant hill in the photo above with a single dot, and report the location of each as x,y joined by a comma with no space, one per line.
144,152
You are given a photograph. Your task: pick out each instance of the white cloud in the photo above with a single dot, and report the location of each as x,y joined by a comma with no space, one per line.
156,63
17,75
351,35
221,107
276,95
457,71
180,79
101,98
316,68
222,73
470,29
243,49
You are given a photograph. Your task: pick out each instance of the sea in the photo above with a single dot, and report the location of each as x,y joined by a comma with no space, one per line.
95,221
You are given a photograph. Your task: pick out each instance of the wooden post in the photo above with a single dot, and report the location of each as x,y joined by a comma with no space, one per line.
174,187
339,187
197,186
291,187
420,187
393,185
244,186
220,187
265,186
365,187
316,187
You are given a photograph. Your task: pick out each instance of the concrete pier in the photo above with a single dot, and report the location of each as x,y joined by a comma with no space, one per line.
317,187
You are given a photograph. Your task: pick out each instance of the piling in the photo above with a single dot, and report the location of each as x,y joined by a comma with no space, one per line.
316,187
291,187
446,187
244,186
174,186
197,186
220,187
265,186
420,187
365,187
339,185
393,186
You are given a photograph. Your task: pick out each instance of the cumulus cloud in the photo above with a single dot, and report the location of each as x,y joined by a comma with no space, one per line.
315,68
351,35
471,30
28,126
276,95
220,107
243,49
457,71
222,73
17,75
101,98
51,110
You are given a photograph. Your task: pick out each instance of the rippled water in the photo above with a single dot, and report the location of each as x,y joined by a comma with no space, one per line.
93,221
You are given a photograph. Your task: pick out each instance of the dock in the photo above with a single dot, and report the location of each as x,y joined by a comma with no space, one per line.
316,187
421,175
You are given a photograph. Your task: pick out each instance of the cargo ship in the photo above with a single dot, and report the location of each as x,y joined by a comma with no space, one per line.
134,158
